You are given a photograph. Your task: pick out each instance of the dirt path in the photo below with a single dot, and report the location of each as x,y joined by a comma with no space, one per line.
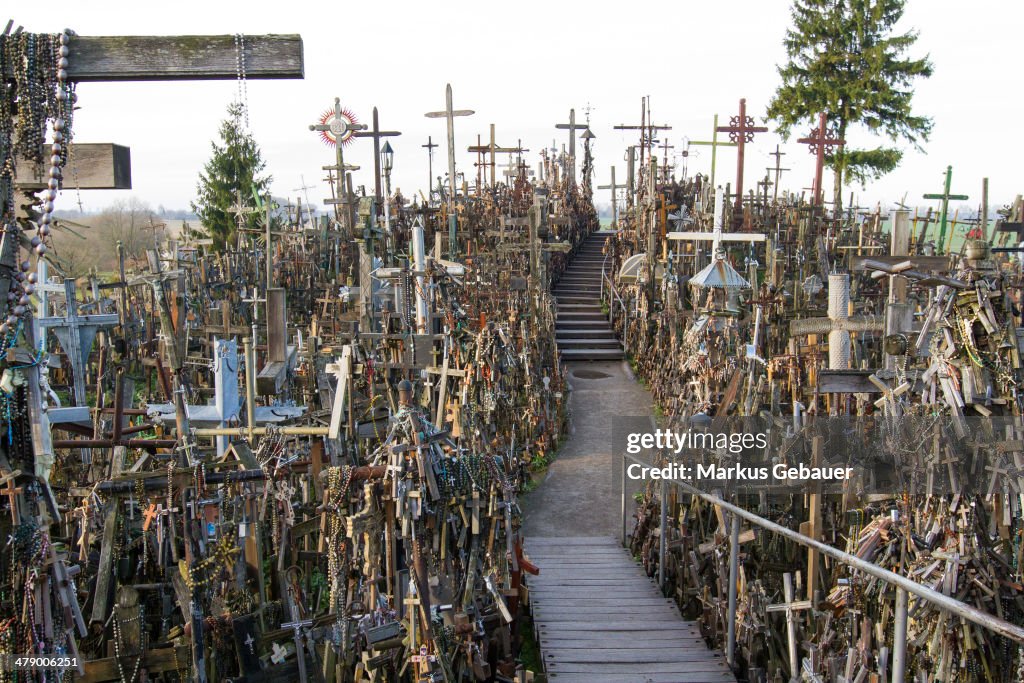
580,493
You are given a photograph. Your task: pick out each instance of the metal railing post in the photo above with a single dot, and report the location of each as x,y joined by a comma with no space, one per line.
734,565
899,647
662,534
622,478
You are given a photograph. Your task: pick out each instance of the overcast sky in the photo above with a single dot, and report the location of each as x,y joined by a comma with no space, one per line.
522,67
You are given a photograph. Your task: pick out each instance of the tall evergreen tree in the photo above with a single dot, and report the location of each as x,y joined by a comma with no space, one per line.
234,167
845,60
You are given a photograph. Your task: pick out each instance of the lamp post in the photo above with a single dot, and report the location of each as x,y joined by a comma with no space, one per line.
387,158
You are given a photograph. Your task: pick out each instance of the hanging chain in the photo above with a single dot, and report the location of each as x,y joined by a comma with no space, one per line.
243,85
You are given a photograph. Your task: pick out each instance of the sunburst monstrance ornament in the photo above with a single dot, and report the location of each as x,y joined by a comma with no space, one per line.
336,124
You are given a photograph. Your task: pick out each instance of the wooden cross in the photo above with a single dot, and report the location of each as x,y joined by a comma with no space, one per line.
572,127
339,127
615,203
741,130
239,210
945,196
449,113
430,160
789,607
492,149
665,147
714,144
777,168
376,133
819,143
150,514
11,491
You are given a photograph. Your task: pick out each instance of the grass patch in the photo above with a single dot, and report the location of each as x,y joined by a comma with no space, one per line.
529,649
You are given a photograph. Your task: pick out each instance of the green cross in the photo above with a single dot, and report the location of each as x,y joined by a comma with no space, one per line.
714,145
945,197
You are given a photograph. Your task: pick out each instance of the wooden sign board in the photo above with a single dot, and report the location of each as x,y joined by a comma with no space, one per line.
93,166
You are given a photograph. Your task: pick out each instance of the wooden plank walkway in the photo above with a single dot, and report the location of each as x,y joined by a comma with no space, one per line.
600,619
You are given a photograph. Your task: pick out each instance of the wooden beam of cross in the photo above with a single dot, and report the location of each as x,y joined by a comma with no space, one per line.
819,144
376,133
179,58
714,144
945,196
449,115
741,130
492,149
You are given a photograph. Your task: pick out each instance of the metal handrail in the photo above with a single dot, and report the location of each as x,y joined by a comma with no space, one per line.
902,583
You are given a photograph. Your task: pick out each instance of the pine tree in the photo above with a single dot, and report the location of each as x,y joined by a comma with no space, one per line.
233,168
845,60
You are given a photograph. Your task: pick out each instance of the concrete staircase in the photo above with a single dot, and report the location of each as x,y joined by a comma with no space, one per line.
581,329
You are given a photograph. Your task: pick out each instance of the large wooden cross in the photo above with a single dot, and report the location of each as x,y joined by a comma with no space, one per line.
572,127
449,113
820,144
741,130
339,126
376,133
714,144
790,606
615,197
945,196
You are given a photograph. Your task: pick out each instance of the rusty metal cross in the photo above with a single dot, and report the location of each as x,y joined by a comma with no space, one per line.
820,144
741,130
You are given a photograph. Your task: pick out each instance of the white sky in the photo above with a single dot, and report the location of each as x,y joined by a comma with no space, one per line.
522,65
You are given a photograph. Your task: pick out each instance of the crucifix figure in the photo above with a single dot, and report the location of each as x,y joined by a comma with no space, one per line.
376,133
300,653
572,127
741,130
449,114
838,324
820,144
76,334
339,129
615,204
945,197
714,144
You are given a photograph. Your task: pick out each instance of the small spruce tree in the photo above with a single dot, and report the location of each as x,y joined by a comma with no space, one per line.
845,60
234,168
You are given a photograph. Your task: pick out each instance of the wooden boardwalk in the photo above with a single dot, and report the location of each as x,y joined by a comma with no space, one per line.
600,619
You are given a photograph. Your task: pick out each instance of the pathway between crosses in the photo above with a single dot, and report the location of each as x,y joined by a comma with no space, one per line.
599,618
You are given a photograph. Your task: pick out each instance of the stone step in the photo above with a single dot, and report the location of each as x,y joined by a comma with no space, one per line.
579,308
580,280
593,354
576,332
573,288
577,319
576,343
581,325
